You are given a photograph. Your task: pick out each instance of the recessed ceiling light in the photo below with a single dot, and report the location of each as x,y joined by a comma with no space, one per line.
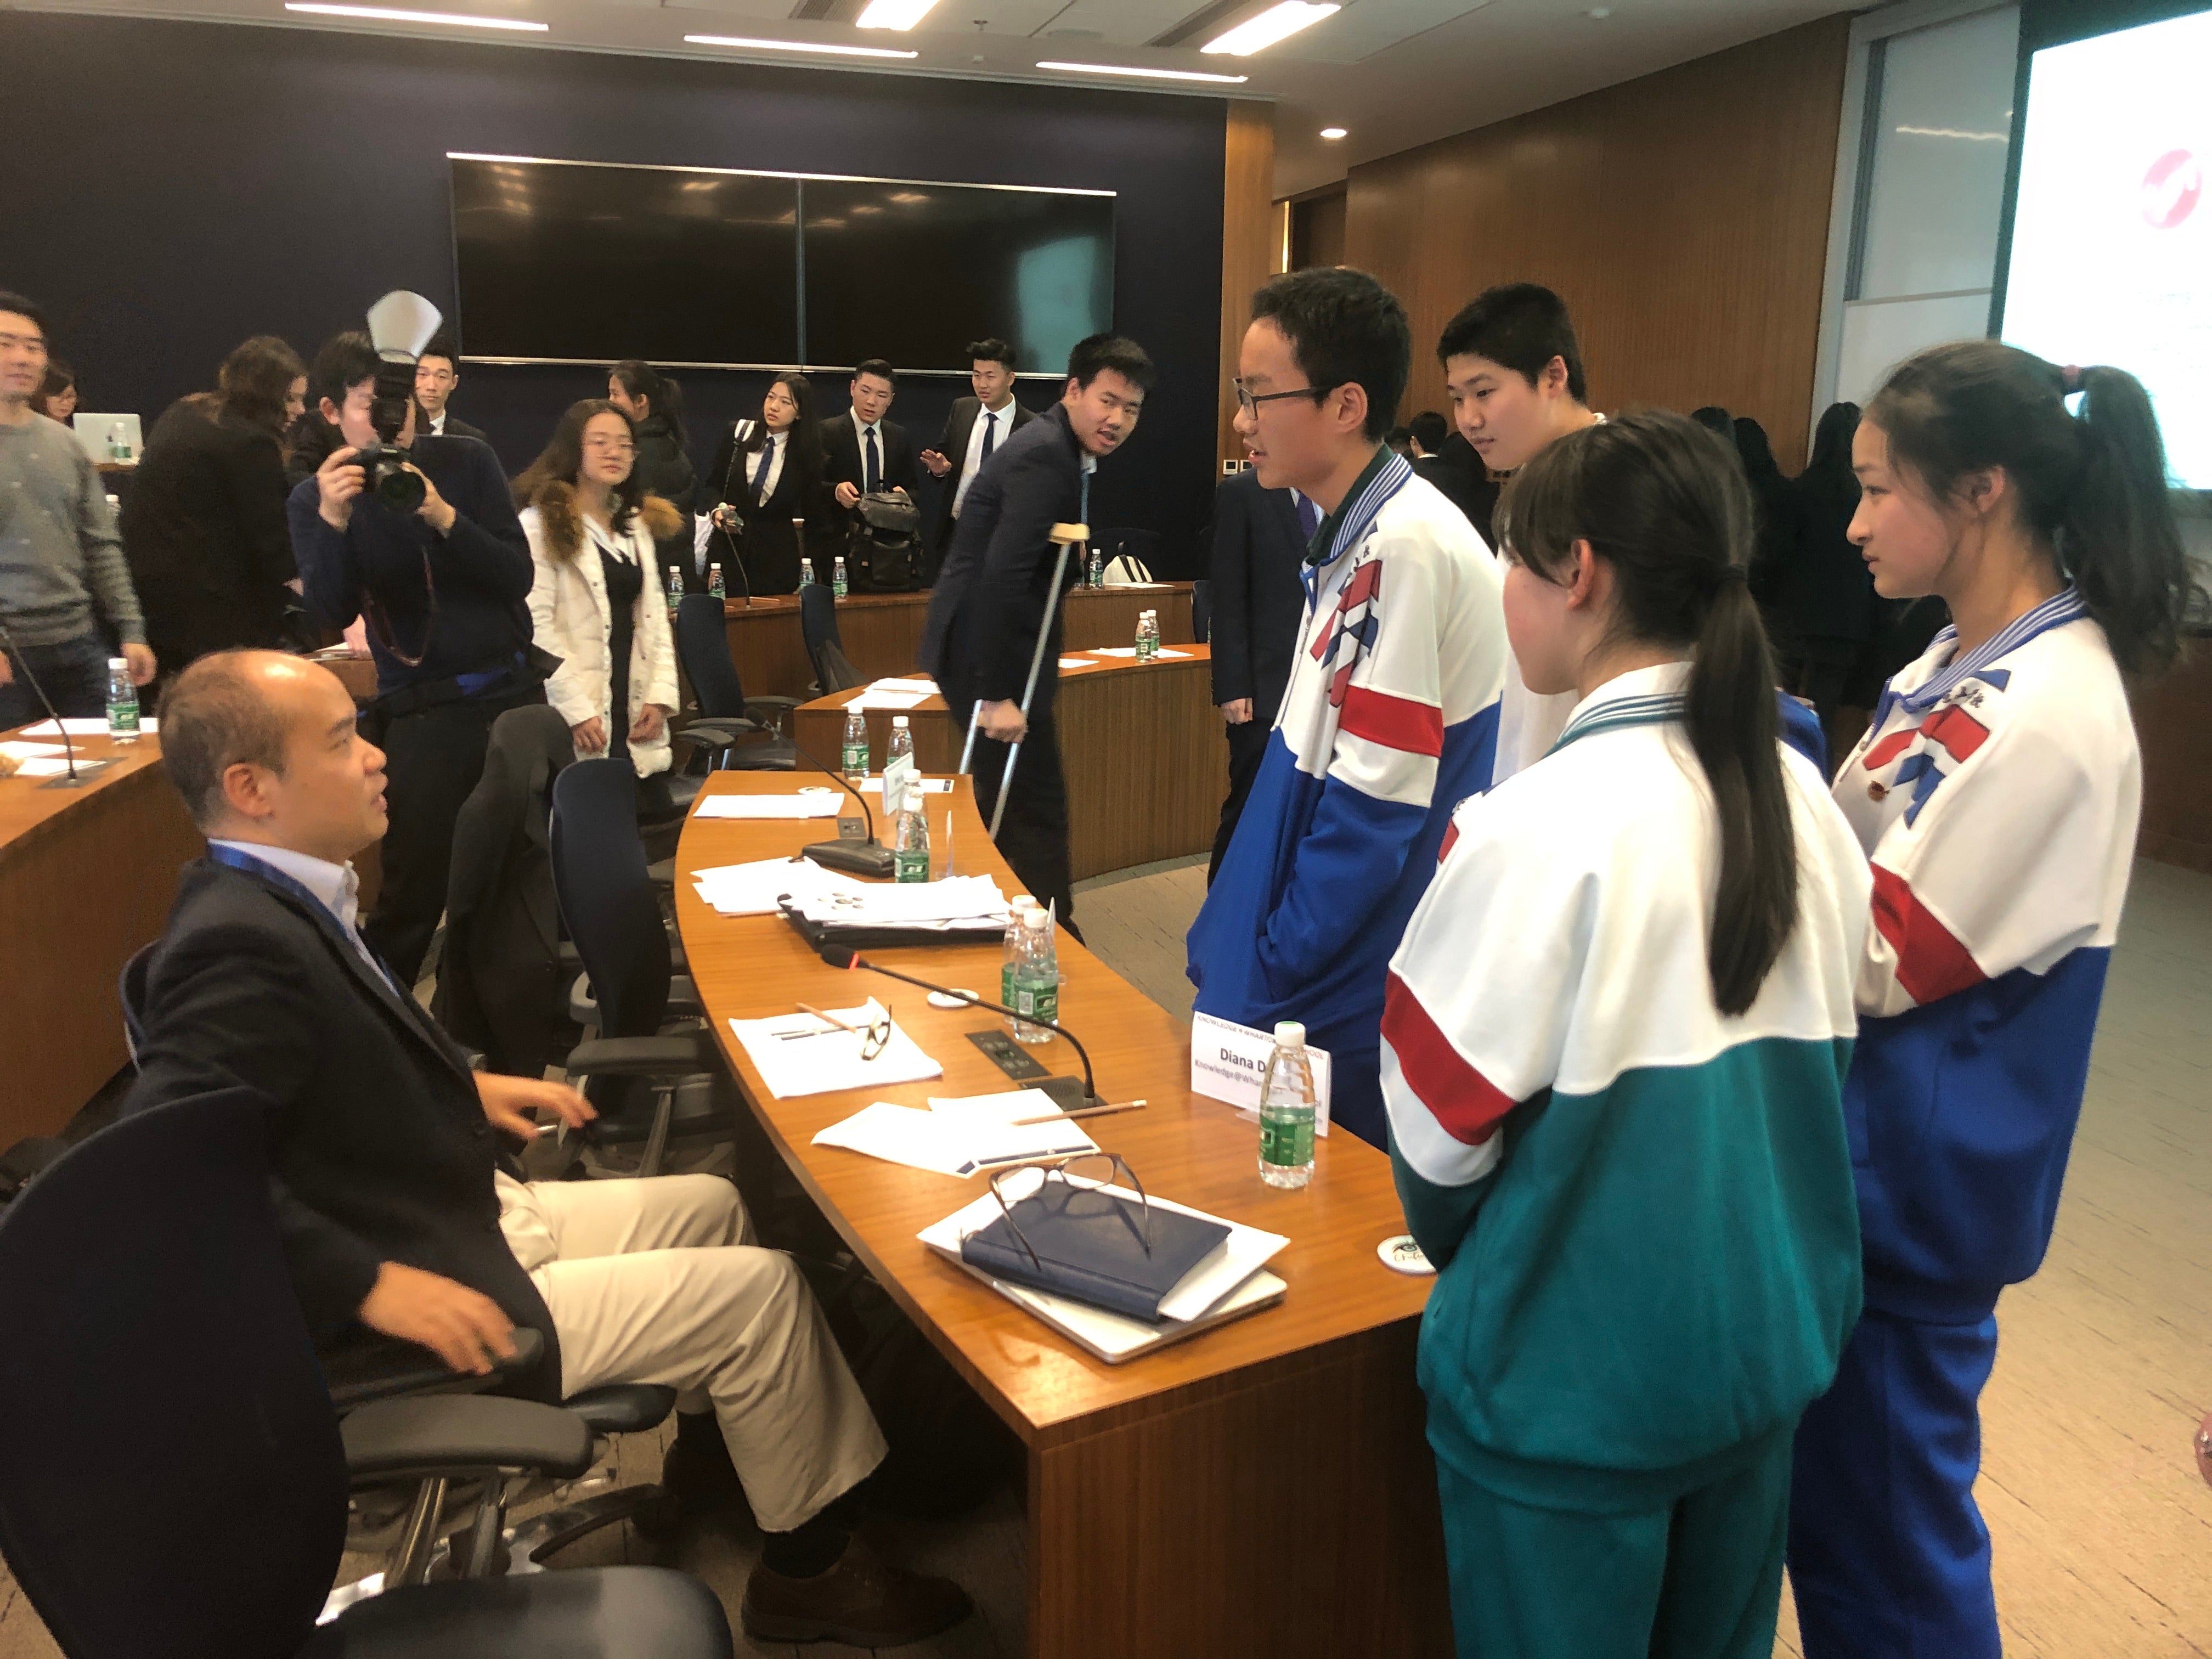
1601,12
893,13
1146,74
1332,132
747,43
1276,23
384,15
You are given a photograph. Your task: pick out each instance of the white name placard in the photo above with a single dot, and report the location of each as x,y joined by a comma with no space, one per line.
1228,1061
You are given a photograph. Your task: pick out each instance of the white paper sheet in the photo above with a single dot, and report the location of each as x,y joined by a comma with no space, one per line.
753,890
986,1125
1113,650
31,751
929,786
37,766
1077,662
91,725
902,1134
956,898
1163,653
897,702
920,682
824,805
827,1063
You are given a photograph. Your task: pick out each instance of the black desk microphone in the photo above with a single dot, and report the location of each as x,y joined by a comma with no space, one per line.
1063,1089
854,858
72,779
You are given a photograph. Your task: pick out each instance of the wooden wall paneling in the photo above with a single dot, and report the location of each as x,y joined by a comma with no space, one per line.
2173,724
1249,243
1683,216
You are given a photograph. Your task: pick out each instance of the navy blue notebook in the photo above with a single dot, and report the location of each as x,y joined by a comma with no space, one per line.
1092,1248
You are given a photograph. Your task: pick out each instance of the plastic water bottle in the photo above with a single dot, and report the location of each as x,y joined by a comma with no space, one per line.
119,443
714,581
1017,937
1036,979
856,748
675,589
910,834
1148,635
902,741
122,702
1094,573
1286,1110
806,573
837,578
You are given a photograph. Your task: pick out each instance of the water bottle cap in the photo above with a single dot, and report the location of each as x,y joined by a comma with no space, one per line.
898,722
1290,1034
119,662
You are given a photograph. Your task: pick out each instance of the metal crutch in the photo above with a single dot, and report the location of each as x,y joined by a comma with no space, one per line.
1064,536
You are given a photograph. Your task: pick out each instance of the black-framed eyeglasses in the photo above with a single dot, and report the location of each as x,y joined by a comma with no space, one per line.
1249,402
1082,1193
875,1036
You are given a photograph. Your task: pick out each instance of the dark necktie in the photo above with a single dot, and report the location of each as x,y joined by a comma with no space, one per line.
1309,515
872,469
990,434
760,472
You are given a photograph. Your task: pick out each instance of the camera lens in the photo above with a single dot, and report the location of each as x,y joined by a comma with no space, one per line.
396,487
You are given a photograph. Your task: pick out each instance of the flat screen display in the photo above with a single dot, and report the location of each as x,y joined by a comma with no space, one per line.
2111,233
915,272
571,262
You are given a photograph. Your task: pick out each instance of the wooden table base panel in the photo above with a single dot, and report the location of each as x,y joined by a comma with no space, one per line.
1291,1512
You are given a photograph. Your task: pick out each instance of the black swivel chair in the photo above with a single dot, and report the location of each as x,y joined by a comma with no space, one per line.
612,913
817,626
728,719
177,1476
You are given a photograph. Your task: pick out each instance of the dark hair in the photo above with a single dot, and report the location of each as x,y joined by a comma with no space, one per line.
664,398
213,719
2092,487
561,460
1520,326
1094,355
1428,429
805,436
441,345
1716,421
1831,445
20,307
1344,329
255,380
993,351
344,362
1754,450
1666,508
60,377
1399,437
876,366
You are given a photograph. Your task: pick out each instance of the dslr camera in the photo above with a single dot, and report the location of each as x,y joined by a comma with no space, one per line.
399,325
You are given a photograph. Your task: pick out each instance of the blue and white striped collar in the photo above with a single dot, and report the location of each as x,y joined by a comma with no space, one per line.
1642,696
2061,608
1345,528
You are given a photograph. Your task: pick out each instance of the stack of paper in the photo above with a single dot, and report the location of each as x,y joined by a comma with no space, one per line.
824,805
927,786
759,889
816,1058
960,1137
955,901
89,726
920,682
1226,1284
898,702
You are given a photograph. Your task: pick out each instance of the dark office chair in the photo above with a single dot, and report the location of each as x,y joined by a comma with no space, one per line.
818,625
730,723
177,1476
608,903
1201,611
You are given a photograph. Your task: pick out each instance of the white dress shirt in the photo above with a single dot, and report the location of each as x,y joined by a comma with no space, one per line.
336,887
972,458
860,430
438,424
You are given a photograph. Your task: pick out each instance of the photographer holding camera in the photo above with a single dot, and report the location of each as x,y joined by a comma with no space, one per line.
419,537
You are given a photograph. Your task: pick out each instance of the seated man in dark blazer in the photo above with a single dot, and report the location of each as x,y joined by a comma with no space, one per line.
996,588
862,452
973,432
402,1210
1260,539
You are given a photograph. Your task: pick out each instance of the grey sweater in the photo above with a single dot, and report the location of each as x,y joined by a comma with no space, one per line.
59,554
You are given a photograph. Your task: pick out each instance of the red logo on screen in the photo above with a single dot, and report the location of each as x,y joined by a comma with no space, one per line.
2171,189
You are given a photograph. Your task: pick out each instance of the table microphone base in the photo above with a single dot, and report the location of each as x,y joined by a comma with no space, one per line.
1067,1093
854,858
86,772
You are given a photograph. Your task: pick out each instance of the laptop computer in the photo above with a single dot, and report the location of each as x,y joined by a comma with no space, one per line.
99,434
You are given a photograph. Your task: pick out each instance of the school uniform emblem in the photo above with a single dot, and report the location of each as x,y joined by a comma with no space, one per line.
1351,629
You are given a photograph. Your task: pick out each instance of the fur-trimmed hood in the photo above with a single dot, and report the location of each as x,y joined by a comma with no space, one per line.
555,502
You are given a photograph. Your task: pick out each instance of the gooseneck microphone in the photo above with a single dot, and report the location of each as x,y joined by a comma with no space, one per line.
841,956
72,779
855,858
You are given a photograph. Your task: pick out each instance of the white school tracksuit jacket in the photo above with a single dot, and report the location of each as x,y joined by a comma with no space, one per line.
1997,796
1388,723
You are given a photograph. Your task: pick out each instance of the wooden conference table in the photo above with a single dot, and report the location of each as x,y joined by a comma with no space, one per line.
881,632
87,876
1142,744
1261,1488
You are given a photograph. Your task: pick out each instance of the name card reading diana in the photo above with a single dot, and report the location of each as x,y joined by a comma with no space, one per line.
1228,1062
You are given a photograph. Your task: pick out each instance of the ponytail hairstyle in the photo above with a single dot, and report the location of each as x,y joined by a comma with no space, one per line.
2092,487
1664,502
663,397
255,380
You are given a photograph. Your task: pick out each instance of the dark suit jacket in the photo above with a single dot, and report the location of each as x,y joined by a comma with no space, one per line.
841,452
953,446
456,428
1458,471
1258,602
990,597
380,1149
767,545
204,532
